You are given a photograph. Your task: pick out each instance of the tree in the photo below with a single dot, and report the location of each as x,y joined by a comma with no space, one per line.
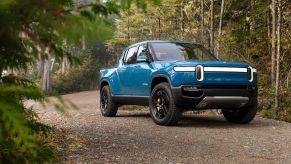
212,26
46,75
34,31
278,58
182,19
247,31
273,73
220,27
202,21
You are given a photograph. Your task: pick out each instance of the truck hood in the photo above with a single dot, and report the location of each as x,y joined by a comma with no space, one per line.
210,63
215,72
161,64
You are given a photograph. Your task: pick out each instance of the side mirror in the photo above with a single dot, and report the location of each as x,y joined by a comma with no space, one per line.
142,58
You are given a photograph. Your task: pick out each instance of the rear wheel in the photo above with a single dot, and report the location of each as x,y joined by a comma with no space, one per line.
162,107
107,106
243,115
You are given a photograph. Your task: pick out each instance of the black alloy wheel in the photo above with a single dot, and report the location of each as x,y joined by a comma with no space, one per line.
161,104
163,109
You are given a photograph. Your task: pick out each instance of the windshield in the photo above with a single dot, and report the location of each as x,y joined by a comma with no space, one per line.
181,51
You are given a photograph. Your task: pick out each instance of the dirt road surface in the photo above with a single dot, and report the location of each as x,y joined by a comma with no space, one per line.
132,137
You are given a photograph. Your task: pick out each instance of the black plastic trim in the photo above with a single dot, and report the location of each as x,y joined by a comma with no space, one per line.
190,101
131,100
163,76
104,80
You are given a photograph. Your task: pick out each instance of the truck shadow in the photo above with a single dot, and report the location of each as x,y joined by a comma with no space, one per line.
204,121
219,122
193,120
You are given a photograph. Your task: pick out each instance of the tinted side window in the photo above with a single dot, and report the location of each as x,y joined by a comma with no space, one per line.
142,48
131,56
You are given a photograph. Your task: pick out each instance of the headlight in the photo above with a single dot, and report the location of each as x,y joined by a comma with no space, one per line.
184,69
199,72
251,71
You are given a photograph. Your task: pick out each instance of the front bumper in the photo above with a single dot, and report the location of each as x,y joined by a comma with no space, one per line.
214,96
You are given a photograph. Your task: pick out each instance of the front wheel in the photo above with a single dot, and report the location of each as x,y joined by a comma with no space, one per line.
243,115
107,106
163,110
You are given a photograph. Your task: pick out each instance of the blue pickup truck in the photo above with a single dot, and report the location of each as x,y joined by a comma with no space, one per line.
174,76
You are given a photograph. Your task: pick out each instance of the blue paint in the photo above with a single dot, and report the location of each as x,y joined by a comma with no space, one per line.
136,79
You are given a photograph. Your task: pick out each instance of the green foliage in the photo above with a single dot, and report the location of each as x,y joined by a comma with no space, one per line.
26,29
33,30
245,37
115,46
31,26
266,104
84,76
18,136
78,78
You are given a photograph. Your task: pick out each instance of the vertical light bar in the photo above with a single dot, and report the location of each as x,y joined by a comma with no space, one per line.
199,72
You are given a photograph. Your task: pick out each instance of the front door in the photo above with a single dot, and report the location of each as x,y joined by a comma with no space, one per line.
135,77
125,72
142,72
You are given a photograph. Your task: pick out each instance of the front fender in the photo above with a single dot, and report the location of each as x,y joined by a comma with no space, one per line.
110,76
165,70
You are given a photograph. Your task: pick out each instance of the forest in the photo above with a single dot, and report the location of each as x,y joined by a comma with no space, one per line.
53,47
252,31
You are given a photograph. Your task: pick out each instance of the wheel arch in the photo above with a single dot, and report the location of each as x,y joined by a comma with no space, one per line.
159,79
104,83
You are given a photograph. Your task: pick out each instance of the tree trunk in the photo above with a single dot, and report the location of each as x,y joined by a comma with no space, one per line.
212,26
220,28
46,76
83,43
39,63
159,25
65,63
128,29
273,41
278,58
269,32
159,28
182,19
202,21
252,22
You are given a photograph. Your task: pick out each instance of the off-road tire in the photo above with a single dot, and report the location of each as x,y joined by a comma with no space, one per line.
174,113
243,115
107,106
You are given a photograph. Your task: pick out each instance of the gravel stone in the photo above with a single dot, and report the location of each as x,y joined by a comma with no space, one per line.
132,137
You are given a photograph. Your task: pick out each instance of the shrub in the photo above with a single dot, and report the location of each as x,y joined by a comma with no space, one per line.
78,78
266,104
21,136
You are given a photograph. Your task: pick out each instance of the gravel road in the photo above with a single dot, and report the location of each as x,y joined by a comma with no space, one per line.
132,137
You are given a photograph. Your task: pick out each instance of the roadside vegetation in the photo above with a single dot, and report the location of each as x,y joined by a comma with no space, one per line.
43,34
252,31
233,30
